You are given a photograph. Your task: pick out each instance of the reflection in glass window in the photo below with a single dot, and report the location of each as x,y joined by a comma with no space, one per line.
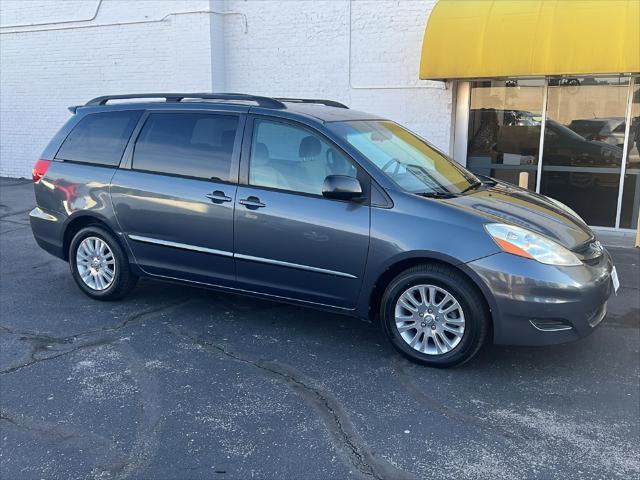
582,155
99,138
406,159
198,145
504,128
287,157
631,191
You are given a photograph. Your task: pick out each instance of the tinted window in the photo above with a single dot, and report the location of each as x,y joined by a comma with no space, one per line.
191,144
99,138
291,158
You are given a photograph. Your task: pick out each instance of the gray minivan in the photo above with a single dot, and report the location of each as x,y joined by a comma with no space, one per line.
310,202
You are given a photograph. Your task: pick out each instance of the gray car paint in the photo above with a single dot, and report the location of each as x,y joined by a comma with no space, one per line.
296,247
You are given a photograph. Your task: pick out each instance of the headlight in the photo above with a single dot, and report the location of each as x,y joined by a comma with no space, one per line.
563,207
522,242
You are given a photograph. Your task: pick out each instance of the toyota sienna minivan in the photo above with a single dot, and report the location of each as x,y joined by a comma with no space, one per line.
310,202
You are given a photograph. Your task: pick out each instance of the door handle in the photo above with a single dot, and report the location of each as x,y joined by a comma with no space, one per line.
252,202
218,197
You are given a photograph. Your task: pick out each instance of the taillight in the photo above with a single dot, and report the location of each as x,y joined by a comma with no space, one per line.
39,170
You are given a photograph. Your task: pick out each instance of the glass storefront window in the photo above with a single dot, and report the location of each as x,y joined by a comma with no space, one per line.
504,128
583,145
582,155
631,189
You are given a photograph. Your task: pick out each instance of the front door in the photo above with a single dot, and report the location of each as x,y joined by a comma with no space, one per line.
175,203
290,241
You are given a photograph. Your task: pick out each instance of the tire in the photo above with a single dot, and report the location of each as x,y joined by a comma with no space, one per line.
115,265
471,317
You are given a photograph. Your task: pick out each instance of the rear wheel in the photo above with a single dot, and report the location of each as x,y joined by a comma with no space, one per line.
434,315
99,265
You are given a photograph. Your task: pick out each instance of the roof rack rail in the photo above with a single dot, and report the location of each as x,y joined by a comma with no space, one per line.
177,97
328,103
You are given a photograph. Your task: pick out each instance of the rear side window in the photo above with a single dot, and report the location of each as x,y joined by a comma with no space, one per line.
99,138
190,144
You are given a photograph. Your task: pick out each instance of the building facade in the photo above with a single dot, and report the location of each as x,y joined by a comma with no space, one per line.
572,134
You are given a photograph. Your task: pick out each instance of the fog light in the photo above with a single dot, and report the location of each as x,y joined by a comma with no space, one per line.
550,324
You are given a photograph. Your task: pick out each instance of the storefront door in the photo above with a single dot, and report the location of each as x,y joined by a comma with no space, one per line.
583,145
569,134
504,128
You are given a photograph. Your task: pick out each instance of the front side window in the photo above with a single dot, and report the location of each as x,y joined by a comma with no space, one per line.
287,157
189,144
99,138
409,161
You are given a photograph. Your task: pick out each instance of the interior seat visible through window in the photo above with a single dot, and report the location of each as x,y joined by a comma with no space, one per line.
288,157
263,172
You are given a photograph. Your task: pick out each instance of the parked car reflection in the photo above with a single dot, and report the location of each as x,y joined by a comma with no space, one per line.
609,130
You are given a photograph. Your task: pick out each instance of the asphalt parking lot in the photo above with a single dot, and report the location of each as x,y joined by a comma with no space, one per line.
182,383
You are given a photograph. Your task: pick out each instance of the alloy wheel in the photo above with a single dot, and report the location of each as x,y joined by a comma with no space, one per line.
429,319
95,263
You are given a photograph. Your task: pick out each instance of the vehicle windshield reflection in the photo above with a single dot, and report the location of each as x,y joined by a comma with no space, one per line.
405,158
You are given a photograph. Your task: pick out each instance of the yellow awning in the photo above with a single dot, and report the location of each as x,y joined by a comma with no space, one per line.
505,38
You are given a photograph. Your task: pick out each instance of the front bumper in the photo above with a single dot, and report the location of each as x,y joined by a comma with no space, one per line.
536,304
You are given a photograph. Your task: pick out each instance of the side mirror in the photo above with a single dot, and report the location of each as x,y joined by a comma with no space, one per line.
341,187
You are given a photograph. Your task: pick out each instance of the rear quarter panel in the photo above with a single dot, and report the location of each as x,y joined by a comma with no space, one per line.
72,190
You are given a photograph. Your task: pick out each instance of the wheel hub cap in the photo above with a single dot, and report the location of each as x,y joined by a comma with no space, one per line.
429,319
95,263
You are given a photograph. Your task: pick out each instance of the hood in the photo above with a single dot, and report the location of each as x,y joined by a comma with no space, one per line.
507,204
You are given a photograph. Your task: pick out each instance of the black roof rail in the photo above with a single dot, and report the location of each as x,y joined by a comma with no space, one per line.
177,97
328,103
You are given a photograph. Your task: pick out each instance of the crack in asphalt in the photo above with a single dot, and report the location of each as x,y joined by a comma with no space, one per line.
15,184
42,343
335,418
57,432
24,222
13,214
11,231
450,413
38,347
44,263
146,443
143,313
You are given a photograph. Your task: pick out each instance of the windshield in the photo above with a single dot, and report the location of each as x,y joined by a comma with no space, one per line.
409,161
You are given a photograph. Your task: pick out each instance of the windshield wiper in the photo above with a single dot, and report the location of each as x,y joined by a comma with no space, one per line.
473,186
436,194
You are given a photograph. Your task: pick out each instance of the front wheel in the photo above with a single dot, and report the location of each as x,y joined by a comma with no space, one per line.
99,265
434,315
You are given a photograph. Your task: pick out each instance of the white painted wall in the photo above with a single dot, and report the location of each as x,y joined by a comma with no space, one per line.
364,53
303,49
46,68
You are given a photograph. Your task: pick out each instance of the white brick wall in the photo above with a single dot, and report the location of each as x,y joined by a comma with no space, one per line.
46,68
288,48
302,49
